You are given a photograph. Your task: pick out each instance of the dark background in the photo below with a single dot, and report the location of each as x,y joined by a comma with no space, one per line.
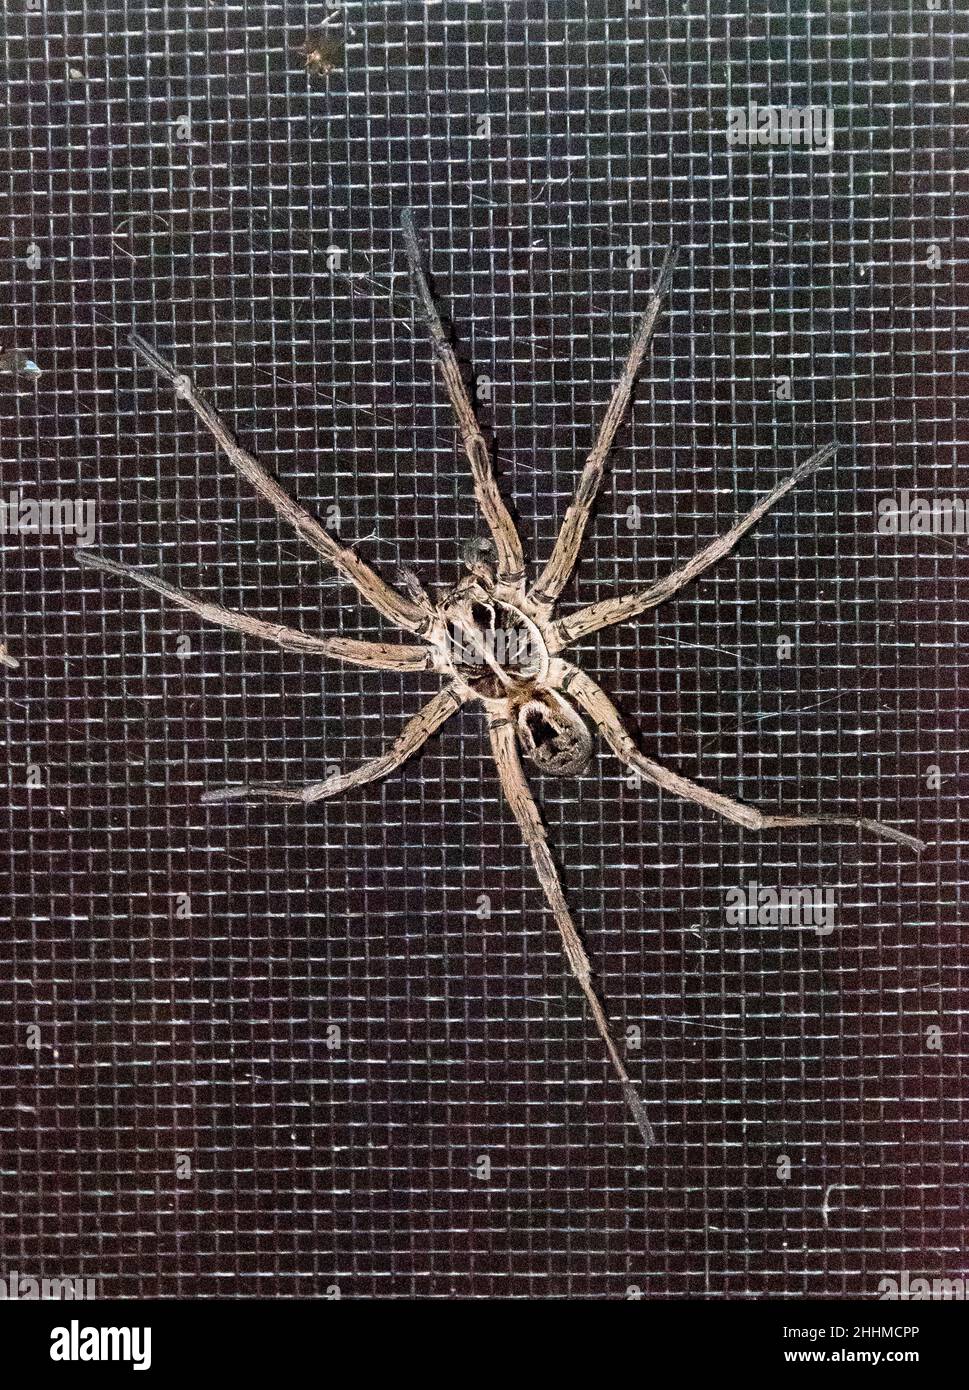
179,171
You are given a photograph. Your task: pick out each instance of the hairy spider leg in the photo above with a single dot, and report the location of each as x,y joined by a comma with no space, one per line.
600,709
380,656
412,737
406,614
517,793
511,559
565,552
616,610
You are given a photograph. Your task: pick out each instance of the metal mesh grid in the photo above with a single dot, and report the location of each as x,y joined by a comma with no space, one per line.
172,167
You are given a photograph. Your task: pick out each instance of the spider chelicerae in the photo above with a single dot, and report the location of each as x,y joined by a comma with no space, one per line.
494,638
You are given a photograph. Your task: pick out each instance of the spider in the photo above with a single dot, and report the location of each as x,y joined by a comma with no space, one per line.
495,639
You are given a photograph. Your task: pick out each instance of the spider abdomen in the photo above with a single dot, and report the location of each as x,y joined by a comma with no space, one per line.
553,735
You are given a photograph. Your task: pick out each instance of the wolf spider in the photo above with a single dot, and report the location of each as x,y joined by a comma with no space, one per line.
534,700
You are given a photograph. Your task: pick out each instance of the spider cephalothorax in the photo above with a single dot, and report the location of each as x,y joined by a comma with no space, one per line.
498,653
495,639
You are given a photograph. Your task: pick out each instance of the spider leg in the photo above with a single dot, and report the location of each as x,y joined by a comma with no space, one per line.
522,804
366,581
616,610
565,552
413,736
379,655
600,709
511,559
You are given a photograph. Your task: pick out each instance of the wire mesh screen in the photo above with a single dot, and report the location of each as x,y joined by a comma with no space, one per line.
289,1050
